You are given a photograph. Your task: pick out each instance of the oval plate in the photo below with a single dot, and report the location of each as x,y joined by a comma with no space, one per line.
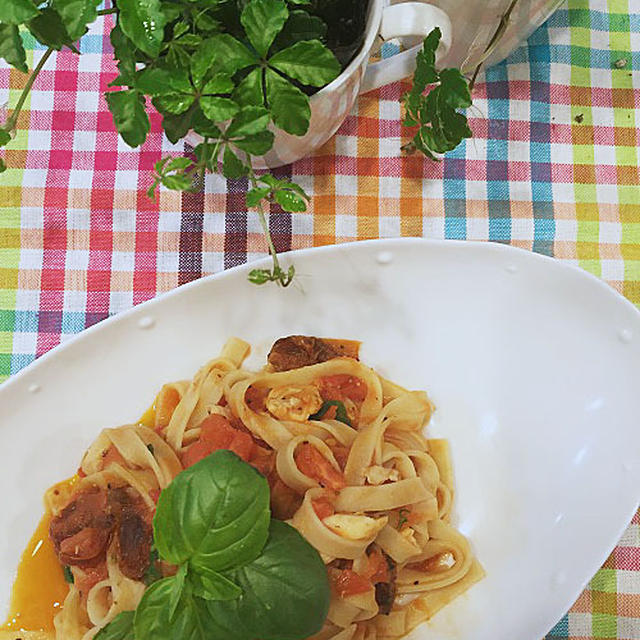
533,366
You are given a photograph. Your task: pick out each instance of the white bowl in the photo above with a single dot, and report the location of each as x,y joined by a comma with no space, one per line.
533,365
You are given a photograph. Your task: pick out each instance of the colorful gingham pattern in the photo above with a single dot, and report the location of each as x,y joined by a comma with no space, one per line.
553,167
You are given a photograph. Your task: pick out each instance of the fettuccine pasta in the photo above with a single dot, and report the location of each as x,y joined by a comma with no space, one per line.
348,465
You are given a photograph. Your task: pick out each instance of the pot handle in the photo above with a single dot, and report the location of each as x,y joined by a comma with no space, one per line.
406,19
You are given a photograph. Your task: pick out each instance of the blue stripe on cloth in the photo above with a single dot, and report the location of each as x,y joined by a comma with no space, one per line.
497,79
454,188
539,147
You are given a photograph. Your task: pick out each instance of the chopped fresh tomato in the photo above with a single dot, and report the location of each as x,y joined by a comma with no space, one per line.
342,386
166,402
284,500
217,433
113,456
313,464
323,508
341,454
350,583
262,460
377,569
256,398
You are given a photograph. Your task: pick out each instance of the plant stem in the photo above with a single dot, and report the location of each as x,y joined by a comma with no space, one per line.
278,274
493,43
106,12
13,119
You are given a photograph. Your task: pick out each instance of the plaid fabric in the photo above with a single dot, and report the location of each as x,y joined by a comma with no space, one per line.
553,167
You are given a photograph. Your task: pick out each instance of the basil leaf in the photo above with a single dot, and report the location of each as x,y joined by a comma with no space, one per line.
341,411
425,72
192,620
225,52
250,89
17,11
288,105
11,48
177,182
309,62
129,115
214,514
249,121
48,29
262,21
218,109
120,628
220,83
76,15
178,579
257,144
285,590
143,22
157,81
212,585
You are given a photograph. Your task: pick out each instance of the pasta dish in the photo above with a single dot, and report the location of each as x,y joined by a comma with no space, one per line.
347,466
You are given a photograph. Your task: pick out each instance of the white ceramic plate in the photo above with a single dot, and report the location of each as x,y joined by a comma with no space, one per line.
534,367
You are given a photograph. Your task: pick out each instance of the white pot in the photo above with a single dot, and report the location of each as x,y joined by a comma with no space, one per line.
467,27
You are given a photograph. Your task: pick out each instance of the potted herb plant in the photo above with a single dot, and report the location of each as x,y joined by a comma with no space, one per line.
235,74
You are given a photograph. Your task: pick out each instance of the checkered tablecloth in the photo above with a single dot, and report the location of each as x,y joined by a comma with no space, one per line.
553,167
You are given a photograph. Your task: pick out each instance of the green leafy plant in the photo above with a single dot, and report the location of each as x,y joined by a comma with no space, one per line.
233,71
240,574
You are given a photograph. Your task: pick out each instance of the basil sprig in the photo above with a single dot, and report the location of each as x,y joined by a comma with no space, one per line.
241,575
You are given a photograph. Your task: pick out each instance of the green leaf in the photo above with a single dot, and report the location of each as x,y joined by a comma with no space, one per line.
174,103
262,21
288,105
207,154
178,588
5,137
218,109
222,51
257,144
301,26
68,574
178,57
180,28
232,166
212,585
249,121
341,411
285,590
425,72
220,83
260,276
11,48
143,22
3,166
152,574
76,15
308,62
176,126
124,53
129,115
254,196
249,91
206,23
120,628
454,89
157,81
290,202
204,126
214,514
17,11
192,619
177,182
48,29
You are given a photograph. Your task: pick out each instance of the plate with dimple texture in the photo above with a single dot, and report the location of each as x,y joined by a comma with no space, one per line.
533,366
